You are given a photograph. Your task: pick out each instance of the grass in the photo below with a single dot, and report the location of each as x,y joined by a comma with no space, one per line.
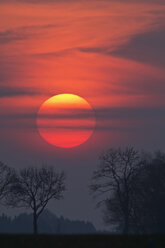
82,241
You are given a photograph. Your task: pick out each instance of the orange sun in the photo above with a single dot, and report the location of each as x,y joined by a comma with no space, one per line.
66,120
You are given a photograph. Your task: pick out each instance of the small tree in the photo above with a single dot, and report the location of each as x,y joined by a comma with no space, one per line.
113,181
5,179
34,188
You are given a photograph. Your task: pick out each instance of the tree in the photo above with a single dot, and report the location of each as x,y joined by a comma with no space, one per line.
34,188
5,179
149,196
113,182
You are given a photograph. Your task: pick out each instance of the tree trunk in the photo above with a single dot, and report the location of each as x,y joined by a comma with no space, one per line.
126,225
35,230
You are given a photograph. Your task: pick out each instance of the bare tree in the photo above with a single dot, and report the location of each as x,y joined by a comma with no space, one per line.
113,182
34,188
5,179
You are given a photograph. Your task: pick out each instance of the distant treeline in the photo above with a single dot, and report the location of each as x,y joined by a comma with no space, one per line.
48,223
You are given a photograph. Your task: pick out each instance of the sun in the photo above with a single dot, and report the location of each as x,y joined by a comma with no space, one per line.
66,120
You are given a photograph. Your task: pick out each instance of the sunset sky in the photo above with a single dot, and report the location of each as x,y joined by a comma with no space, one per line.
111,53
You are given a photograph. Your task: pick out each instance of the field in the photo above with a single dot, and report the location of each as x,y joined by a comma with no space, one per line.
82,241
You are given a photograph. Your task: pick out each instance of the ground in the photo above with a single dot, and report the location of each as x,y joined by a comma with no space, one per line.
82,241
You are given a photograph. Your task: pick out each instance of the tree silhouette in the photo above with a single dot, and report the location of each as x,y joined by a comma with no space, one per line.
149,196
34,188
113,180
6,176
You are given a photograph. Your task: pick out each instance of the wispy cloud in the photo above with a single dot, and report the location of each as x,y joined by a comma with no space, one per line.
19,91
53,54
23,33
106,113
145,47
61,1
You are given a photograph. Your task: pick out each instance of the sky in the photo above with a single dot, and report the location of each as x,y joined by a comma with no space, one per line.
109,52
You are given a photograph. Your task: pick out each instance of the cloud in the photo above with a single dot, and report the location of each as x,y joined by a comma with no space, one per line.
37,2
146,48
102,114
102,50
18,91
59,53
12,35
22,33
70,1
99,50
130,113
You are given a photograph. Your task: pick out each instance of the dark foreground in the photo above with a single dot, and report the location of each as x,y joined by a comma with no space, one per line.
82,241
